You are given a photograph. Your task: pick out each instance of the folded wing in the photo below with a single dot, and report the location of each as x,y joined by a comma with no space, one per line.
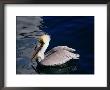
59,55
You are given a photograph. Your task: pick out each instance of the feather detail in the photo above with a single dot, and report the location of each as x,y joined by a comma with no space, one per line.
59,55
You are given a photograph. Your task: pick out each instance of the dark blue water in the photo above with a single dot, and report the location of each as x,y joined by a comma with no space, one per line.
73,31
76,32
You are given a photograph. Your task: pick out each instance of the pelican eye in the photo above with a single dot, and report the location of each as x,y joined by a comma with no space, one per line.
41,41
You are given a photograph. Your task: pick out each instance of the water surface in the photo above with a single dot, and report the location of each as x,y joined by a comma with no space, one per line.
73,31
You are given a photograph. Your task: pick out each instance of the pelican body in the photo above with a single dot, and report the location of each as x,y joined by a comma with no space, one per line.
59,60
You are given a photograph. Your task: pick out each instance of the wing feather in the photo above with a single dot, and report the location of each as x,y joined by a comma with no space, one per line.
59,55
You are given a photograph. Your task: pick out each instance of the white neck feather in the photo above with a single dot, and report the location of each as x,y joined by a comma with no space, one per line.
45,46
43,49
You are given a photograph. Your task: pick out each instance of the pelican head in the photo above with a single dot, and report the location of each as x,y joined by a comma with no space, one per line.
44,39
41,48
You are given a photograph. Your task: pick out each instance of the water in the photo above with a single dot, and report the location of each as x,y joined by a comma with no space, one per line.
73,31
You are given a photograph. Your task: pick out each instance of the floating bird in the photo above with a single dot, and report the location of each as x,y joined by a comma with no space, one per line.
59,60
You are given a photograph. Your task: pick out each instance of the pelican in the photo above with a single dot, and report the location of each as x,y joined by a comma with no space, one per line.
57,60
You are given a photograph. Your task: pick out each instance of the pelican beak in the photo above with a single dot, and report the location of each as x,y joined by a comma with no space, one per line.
37,48
34,55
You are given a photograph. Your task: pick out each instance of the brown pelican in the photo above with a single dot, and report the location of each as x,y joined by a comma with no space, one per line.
57,60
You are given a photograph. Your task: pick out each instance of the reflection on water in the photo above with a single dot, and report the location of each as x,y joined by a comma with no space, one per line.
72,31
